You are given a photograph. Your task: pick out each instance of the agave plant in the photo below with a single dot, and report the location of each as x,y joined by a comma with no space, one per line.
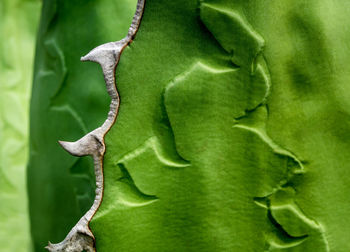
211,125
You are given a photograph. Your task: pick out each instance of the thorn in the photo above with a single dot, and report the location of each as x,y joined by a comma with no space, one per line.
49,246
70,147
84,58
92,55
87,145
105,54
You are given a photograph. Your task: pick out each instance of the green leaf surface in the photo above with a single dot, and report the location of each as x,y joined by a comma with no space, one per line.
18,23
69,99
232,133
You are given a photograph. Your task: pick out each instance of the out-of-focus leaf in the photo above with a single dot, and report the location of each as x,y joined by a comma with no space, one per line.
18,26
69,99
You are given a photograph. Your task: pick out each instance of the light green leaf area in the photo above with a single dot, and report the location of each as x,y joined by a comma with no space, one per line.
18,26
232,133
69,99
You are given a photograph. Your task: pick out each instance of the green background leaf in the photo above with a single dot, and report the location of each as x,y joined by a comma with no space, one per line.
18,23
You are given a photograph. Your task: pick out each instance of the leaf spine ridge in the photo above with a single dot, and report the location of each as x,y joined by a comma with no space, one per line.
107,55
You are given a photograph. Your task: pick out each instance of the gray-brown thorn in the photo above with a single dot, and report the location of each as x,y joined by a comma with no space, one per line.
107,55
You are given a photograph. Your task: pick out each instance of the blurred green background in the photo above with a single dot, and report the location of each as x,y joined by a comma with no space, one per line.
19,20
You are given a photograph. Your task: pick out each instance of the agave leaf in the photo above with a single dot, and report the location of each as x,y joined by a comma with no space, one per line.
207,154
